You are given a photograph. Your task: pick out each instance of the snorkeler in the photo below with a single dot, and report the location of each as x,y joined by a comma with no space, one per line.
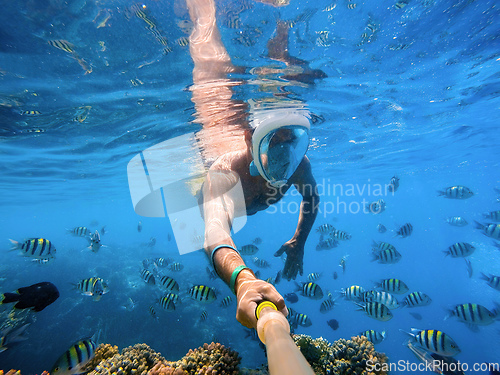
266,155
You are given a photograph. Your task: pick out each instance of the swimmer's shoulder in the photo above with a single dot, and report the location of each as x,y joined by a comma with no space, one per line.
229,161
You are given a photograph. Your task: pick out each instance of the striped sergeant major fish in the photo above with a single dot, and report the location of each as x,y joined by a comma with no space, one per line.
376,310
148,277
314,276
327,304
95,242
326,244
93,286
310,289
75,358
140,12
491,230
31,112
202,293
492,215
376,207
460,249
176,267
204,315
226,301
325,229
35,248
169,284
249,249
79,231
340,235
395,286
456,192
380,246
405,231
381,297
261,263
491,280
388,256
473,314
168,301
152,312
415,299
161,262
297,319
374,336
456,221
353,293
434,341
62,45
394,184
66,46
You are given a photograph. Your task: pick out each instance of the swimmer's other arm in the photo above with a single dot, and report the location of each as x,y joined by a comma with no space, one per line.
304,182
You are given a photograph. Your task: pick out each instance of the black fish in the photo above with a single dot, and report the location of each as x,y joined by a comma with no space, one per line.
291,297
494,368
38,296
335,276
334,324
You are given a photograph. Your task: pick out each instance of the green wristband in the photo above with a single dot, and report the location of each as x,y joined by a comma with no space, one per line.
234,276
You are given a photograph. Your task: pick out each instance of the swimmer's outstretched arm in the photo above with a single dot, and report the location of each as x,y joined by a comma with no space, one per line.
218,209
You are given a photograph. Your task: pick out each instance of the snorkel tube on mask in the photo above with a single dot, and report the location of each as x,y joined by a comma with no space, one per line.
279,143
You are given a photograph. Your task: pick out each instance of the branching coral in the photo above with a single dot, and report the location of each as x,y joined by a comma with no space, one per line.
343,357
355,356
210,359
103,352
134,360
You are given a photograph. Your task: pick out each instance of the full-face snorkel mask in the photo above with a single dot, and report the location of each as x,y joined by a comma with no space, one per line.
279,143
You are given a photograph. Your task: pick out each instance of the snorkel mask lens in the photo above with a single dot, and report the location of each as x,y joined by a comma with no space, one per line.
279,143
281,151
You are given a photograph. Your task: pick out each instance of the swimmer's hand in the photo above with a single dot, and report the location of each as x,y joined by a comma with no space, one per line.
251,291
294,259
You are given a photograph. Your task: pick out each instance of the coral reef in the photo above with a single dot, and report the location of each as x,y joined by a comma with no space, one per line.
353,356
343,357
102,352
210,359
17,372
136,360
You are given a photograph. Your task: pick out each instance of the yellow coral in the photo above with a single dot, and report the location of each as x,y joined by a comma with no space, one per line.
137,360
102,352
342,357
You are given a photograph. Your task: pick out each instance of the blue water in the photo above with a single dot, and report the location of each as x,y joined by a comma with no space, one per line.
419,99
